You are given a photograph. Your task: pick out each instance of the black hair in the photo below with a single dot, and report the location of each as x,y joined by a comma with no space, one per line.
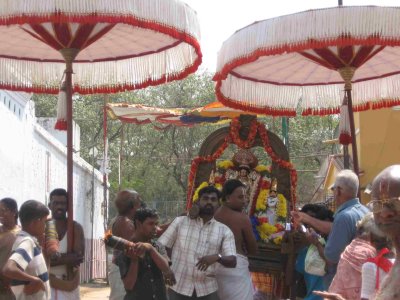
11,205
320,211
59,192
143,213
230,186
209,190
31,210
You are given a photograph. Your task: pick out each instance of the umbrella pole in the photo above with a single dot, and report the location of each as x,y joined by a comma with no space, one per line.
353,132
347,74
69,56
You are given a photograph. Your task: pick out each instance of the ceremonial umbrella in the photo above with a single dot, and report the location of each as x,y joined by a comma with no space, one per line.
114,45
303,62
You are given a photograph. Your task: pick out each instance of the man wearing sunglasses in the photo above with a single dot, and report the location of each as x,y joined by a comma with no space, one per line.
343,229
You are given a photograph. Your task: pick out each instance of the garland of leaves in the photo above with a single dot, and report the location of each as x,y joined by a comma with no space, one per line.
234,137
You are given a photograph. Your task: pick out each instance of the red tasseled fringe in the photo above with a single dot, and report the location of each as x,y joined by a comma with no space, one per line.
61,125
112,19
345,139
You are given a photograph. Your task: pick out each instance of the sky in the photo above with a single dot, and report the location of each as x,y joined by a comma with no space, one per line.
219,19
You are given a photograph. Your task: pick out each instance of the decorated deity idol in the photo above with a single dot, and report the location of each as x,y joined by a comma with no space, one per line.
272,203
270,214
242,167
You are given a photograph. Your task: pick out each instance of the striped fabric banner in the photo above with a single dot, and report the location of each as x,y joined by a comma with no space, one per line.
94,264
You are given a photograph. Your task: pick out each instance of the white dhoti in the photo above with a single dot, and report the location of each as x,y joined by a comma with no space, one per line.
64,295
235,283
61,273
116,285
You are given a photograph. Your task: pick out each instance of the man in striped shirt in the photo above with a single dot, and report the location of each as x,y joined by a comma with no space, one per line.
198,244
26,267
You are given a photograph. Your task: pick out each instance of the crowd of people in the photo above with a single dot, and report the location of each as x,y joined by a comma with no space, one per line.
349,254
28,269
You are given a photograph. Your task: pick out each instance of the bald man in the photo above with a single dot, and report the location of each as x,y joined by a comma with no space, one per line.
385,205
126,202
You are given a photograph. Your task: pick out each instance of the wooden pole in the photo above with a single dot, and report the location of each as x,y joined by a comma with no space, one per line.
353,133
69,55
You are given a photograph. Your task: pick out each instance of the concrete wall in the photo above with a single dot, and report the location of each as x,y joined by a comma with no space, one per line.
33,162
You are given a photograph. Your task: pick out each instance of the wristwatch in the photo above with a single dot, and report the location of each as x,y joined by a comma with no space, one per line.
219,258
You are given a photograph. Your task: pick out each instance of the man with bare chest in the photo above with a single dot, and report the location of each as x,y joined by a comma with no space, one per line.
236,283
126,203
64,283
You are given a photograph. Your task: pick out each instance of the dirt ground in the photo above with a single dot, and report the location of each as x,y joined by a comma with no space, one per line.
98,290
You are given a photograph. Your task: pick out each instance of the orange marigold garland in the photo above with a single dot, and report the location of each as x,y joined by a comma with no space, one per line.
195,164
234,134
233,137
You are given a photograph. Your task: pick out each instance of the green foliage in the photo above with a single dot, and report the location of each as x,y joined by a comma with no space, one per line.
156,163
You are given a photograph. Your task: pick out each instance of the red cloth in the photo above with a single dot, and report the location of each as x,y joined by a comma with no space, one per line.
382,263
347,281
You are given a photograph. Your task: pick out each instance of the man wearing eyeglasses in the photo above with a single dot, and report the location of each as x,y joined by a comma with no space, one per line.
343,229
385,205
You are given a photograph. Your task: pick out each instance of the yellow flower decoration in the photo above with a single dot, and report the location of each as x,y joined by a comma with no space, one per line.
203,185
196,193
277,240
260,204
265,230
262,168
280,208
225,164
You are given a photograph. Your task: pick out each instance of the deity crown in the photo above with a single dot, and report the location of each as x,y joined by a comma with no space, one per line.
245,158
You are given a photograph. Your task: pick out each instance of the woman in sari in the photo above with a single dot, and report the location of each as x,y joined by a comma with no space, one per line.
8,232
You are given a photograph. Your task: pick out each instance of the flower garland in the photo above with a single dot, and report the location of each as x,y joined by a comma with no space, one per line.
233,137
195,164
261,225
203,185
225,164
281,208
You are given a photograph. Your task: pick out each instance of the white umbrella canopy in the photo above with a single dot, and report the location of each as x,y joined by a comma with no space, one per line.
280,65
309,61
123,45
114,46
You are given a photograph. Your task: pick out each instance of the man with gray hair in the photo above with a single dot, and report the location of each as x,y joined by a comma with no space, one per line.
343,229
385,204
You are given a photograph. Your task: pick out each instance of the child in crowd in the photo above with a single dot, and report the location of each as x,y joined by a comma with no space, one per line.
27,266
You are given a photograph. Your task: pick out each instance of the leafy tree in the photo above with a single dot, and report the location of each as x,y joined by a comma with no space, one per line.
156,163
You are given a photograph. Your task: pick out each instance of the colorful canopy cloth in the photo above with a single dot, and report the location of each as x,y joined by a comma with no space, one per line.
138,113
217,109
122,45
141,114
301,62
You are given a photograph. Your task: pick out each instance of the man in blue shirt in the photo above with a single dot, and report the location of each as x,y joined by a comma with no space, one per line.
343,229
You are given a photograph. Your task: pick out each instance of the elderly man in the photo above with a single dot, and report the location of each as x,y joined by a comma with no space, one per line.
385,205
198,244
126,202
343,229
